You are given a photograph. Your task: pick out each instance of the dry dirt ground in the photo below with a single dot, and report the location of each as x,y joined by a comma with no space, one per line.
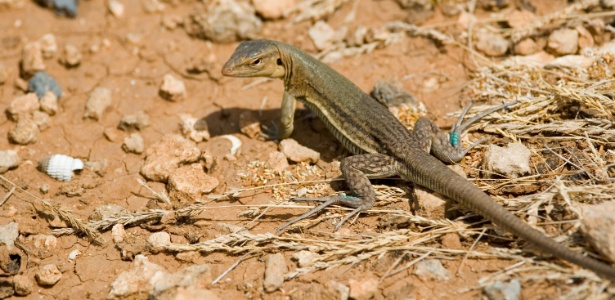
130,54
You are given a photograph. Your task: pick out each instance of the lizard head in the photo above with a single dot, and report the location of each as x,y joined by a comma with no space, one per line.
259,58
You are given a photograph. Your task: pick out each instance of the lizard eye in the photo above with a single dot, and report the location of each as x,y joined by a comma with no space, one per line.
256,62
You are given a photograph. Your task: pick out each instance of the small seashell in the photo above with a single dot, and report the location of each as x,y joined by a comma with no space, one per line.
235,143
60,166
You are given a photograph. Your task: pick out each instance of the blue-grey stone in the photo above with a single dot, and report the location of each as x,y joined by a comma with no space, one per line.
42,82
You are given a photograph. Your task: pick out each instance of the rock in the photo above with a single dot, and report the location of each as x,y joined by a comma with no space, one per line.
431,269
563,41
598,226
225,22
451,241
8,235
48,45
503,291
585,37
112,134
519,18
118,233
249,124
44,243
491,44
511,161
73,255
25,132
116,8
62,7
23,105
159,240
49,103
42,82
138,280
272,9
277,161
172,89
71,56
304,258
298,153
194,128
23,285
32,58
364,288
9,159
189,280
190,182
430,205
133,144
526,46
164,157
48,275
6,288
98,102
607,3
135,121
275,267
107,211
41,120
323,35
571,61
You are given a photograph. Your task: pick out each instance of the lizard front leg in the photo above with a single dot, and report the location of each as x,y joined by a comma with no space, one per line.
285,125
357,171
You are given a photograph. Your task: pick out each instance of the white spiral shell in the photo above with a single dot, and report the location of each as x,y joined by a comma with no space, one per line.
60,166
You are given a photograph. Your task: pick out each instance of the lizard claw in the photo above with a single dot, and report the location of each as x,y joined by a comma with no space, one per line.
270,133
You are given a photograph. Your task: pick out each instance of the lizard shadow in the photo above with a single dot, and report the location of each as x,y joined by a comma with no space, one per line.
309,130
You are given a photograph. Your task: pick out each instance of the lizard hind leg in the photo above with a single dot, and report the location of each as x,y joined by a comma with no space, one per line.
447,147
357,171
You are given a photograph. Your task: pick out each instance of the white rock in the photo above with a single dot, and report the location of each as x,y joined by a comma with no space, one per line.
9,159
71,56
431,269
564,41
511,161
491,44
139,279
32,58
598,226
503,291
48,275
98,102
273,9
172,89
275,268
118,233
194,128
48,45
159,240
23,105
116,8
298,153
304,258
323,35
49,103
73,254
8,235
133,143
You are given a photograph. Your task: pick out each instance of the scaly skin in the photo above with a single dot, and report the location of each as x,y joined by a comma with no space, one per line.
381,144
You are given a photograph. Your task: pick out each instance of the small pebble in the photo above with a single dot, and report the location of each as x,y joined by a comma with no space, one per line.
73,254
48,44
42,82
71,56
135,121
139,280
25,131
165,156
249,124
503,291
323,35
526,46
159,240
23,285
32,58
563,41
598,227
304,258
225,22
298,153
431,269
133,144
190,182
511,161
172,89
273,9
41,119
44,188
363,288
62,7
194,128
23,105
48,275
277,161
275,268
118,233
8,235
116,8
98,102
107,211
586,39
49,103
491,44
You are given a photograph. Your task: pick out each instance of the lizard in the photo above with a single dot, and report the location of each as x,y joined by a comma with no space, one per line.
380,144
